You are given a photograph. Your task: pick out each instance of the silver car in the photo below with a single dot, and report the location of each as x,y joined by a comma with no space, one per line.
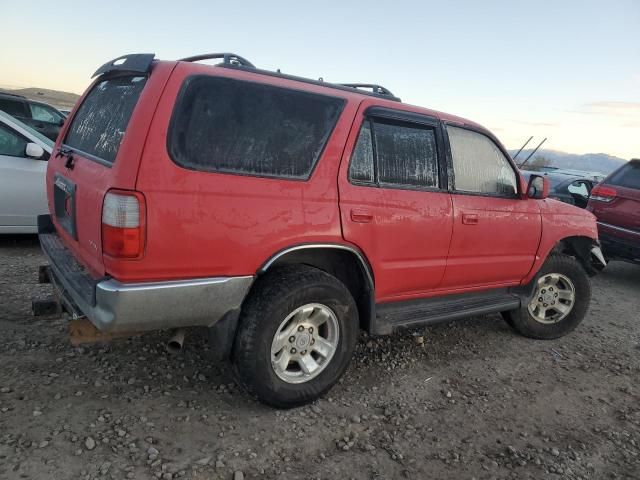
23,166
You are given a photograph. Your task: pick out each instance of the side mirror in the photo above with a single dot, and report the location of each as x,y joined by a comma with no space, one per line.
538,187
34,150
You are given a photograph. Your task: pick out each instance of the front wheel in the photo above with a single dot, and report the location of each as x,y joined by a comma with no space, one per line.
297,333
560,300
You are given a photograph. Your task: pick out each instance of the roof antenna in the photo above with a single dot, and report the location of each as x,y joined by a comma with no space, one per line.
534,151
522,148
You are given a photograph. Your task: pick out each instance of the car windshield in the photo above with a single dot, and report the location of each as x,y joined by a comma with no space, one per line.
38,135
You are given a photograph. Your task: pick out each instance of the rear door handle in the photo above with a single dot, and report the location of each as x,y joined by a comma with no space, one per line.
361,216
470,218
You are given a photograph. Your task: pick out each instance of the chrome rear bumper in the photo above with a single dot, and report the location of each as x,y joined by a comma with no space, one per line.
113,306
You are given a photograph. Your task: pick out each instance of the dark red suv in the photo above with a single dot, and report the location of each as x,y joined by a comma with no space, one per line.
286,214
616,204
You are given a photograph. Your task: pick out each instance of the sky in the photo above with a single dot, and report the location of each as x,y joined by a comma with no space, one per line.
567,70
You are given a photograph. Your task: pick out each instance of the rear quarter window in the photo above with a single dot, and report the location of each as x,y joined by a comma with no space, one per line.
232,126
99,125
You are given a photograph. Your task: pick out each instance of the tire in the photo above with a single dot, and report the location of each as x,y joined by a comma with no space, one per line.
280,295
570,275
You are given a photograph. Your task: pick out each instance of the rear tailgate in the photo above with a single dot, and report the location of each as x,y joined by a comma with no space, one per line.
99,149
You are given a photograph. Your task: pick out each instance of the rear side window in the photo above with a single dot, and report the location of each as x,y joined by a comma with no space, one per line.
628,176
479,166
99,125
395,154
44,114
231,126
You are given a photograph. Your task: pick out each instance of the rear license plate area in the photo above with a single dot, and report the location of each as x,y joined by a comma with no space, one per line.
64,203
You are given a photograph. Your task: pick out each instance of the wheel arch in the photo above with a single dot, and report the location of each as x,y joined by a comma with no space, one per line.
345,262
584,248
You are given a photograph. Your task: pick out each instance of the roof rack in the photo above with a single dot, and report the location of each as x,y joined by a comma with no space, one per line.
141,63
234,60
227,58
377,89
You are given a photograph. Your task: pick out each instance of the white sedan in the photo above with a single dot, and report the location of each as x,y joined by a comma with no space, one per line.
23,166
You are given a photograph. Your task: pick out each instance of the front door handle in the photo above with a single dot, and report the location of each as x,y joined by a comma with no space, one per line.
361,216
470,218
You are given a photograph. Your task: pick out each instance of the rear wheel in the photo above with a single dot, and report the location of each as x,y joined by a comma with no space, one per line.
297,333
560,300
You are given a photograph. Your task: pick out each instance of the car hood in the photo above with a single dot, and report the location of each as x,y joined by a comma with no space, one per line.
551,205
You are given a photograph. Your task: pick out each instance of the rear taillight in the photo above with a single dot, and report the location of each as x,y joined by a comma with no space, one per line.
123,224
602,193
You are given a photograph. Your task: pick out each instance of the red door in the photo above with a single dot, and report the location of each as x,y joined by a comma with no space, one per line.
392,204
494,242
496,232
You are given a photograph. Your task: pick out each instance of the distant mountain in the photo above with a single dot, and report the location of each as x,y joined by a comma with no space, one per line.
56,98
590,162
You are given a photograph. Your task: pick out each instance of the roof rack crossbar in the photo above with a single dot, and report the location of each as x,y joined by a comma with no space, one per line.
227,58
379,89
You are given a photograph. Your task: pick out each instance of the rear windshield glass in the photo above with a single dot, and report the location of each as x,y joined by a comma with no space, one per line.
98,126
232,126
628,176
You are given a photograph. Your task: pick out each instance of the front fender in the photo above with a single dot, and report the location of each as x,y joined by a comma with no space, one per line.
568,227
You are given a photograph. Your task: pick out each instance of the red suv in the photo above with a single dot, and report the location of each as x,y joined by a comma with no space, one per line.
616,204
286,214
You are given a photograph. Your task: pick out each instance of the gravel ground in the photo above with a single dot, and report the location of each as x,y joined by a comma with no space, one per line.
475,401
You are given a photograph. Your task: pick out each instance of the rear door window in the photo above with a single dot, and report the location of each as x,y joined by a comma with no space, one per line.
406,154
628,176
395,154
232,126
100,123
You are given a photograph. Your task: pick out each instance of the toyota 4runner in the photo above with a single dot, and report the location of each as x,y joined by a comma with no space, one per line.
287,214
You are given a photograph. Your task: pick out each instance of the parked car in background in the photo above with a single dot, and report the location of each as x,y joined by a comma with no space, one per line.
286,214
23,165
566,187
595,177
41,117
616,204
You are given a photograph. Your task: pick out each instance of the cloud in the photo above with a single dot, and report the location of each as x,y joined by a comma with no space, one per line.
614,108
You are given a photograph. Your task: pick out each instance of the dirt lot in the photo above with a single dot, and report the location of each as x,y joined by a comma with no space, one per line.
476,402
